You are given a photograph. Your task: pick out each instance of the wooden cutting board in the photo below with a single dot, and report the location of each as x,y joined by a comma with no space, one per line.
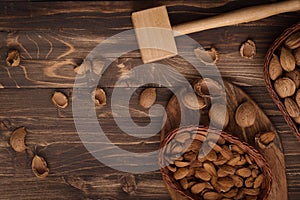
273,154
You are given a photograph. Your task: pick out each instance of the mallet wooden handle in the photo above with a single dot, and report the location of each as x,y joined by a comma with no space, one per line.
236,17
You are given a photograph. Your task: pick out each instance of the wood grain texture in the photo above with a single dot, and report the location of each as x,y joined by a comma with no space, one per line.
55,37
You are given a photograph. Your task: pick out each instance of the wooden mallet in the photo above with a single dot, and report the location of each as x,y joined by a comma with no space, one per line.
158,43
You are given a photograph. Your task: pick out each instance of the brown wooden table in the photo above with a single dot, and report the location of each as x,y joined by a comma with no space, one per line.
54,37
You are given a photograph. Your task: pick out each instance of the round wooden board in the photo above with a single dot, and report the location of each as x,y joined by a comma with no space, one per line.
273,154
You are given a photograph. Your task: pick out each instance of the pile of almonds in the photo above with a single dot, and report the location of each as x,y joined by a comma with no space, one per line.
225,172
284,71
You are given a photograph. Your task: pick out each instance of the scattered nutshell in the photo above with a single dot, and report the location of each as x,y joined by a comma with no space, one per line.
148,97
60,100
245,114
128,184
39,167
99,97
208,87
13,58
267,137
291,107
17,139
218,115
193,101
248,49
287,60
294,76
209,57
275,69
293,41
285,87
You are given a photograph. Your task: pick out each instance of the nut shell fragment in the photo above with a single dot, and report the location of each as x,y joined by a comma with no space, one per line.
208,87
60,100
248,49
99,97
13,58
39,167
148,97
17,139
208,57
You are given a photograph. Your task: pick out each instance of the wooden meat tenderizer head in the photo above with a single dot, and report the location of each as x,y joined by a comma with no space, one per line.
156,37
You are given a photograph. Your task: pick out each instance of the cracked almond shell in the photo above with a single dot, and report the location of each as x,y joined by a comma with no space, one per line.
248,49
17,139
39,167
13,58
99,97
208,57
60,100
193,101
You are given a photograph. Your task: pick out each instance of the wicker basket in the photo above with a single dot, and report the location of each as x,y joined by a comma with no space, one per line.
175,185
273,49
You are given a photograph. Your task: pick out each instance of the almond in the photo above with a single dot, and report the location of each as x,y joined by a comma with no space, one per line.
202,174
60,100
211,156
275,69
190,156
258,181
171,168
285,87
242,161
287,59
226,152
181,163
193,101
294,76
184,183
232,193
243,172
236,148
211,196
228,169
99,97
234,161
267,138
148,97
291,107
238,181
221,160
218,115
297,97
250,191
249,182
181,173
226,181
293,41
248,49
254,173
198,187
214,146
182,137
210,168
297,56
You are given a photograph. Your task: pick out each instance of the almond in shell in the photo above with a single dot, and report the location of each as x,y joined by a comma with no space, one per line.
285,87
267,137
275,69
148,97
287,59
245,114
293,41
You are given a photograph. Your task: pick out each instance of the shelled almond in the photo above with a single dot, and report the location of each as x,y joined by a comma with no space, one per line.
227,171
284,72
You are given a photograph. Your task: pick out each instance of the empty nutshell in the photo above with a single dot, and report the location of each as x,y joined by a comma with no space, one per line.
99,97
218,115
245,114
248,49
208,57
39,167
13,58
148,97
275,69
287,59
285,87
60,100
17,139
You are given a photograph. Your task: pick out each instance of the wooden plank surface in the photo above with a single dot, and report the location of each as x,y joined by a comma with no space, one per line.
55,37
